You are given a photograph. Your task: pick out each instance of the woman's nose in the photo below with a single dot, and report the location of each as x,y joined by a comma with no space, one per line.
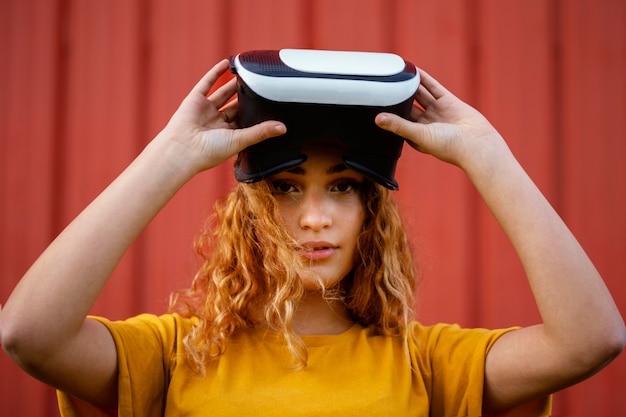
315,212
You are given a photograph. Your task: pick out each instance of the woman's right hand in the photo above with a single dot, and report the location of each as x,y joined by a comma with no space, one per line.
205,124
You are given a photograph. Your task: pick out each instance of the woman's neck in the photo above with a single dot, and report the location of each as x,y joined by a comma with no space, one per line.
317,315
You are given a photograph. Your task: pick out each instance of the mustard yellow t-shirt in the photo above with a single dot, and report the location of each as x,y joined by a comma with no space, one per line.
355,373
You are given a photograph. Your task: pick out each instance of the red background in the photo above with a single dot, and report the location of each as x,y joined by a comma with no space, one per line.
85,84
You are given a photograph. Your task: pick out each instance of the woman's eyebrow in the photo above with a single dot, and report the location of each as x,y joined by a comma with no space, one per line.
296,170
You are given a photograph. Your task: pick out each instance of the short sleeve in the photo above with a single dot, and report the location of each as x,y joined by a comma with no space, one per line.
452,362
147,347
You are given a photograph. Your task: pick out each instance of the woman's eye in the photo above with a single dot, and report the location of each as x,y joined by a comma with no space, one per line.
283,187
345,187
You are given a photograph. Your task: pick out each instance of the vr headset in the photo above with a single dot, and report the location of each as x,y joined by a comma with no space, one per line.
322,95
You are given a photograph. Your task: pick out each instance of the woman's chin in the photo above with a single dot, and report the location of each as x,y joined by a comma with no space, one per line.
312,281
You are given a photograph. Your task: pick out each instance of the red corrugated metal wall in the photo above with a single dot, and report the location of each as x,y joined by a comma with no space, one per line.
84,84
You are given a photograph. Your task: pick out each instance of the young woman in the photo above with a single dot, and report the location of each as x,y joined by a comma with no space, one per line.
305,305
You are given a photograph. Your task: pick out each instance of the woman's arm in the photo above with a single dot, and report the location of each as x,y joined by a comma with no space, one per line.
43,322
582,330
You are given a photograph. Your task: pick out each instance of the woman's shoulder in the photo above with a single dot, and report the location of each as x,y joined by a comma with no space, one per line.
445,343
165,326
438,330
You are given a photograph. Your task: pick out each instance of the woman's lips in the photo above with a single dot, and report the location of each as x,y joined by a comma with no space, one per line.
316,251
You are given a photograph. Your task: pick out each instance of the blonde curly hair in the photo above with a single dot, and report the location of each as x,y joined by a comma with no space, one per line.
250,273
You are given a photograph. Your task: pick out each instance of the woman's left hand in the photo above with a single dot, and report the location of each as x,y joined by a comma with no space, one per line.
444,126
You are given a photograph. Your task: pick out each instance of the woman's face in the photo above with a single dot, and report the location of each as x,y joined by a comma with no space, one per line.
321,207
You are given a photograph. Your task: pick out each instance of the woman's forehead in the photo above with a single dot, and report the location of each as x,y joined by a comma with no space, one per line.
325,154
322,159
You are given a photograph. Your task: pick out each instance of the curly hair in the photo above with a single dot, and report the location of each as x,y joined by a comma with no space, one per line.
250,273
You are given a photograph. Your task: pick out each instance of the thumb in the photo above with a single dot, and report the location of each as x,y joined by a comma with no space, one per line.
248,136
413,132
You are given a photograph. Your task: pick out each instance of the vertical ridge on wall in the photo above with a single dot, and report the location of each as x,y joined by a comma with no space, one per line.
472,14
28,73
516,97
557,68
60,85
594,173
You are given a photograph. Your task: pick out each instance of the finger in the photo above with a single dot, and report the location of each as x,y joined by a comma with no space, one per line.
208,80
412,132
431,85
229,112
221,96
398,125
416,112
423,97
258,133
